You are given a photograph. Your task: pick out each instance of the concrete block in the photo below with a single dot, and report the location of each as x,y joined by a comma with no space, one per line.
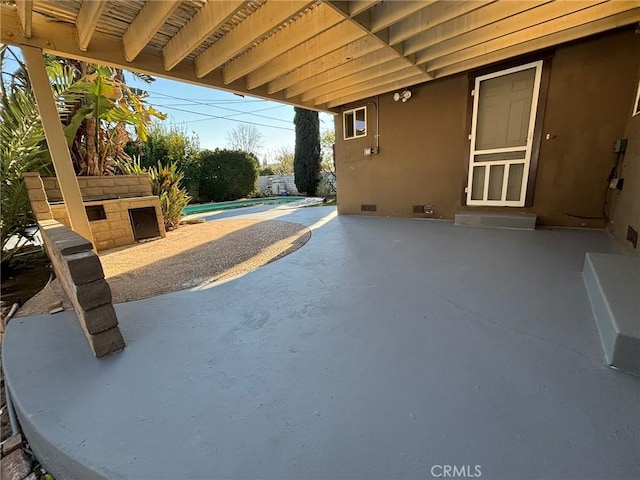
119,190
140,189
37,195
98,226
613,283
93,294
121,242
40,207
101,182
50,182
111,206
11,444
107,342
92,192
127,180
54,194
15,466
104,245
84,267
99,319
120,225
110,234
66,241
42,216
82,182
32,181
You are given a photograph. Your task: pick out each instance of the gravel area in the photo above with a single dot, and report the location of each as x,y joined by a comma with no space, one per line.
191,256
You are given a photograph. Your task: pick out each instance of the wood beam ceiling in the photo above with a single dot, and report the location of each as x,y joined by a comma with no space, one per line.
308,53
306,27
267,18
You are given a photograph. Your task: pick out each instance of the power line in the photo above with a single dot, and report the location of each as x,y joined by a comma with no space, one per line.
222,108
218,117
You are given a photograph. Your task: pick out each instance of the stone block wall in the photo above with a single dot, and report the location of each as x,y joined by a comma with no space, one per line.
95,187
80,273
113,231
37,196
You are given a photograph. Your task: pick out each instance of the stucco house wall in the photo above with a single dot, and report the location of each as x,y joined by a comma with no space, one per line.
424,143
626,203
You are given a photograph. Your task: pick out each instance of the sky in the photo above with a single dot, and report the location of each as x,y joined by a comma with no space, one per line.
199,109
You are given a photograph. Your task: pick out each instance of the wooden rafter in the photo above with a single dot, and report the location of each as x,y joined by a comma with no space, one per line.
541,30
370,83
25,10
377,89
470,21
57,38
376,21
364,76
206,21
591,28
320,45
332,75
142,29
88,17
541,14
265,19
430,17
304,28
336,58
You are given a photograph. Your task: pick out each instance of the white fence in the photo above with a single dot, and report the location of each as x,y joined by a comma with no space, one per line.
277,184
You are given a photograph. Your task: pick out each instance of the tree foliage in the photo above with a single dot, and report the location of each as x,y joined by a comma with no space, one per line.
245,137
227,175
307,152
22,149
169,144
99,112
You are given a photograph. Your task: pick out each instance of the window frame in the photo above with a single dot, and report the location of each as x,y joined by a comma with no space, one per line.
344,123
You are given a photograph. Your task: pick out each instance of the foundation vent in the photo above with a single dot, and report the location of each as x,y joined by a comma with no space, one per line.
369,207
423,210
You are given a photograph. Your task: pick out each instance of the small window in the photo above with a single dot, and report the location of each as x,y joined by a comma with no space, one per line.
355,123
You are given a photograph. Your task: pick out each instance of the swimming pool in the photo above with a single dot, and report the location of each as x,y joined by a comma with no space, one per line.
253,202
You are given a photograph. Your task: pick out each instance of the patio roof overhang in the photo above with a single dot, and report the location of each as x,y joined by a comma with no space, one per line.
315,54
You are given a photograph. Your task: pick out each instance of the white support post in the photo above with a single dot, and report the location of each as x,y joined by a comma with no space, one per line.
56,141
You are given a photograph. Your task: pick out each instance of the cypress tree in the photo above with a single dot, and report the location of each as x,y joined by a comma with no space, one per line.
306,163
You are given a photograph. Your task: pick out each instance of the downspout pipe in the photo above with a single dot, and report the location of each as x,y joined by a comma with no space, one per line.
377,135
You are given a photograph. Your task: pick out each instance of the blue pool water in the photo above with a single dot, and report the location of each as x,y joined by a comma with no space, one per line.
253,202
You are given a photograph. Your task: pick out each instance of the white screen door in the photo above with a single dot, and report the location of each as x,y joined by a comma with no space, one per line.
504,112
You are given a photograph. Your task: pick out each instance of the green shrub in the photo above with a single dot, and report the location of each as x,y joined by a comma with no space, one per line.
165,182
266,171
226,175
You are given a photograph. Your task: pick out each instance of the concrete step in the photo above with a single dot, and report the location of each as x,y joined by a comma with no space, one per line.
613,285
523,221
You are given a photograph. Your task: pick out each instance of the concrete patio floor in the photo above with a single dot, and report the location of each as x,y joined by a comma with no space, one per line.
382,348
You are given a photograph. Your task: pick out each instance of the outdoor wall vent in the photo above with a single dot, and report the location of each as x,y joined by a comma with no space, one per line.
371,207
